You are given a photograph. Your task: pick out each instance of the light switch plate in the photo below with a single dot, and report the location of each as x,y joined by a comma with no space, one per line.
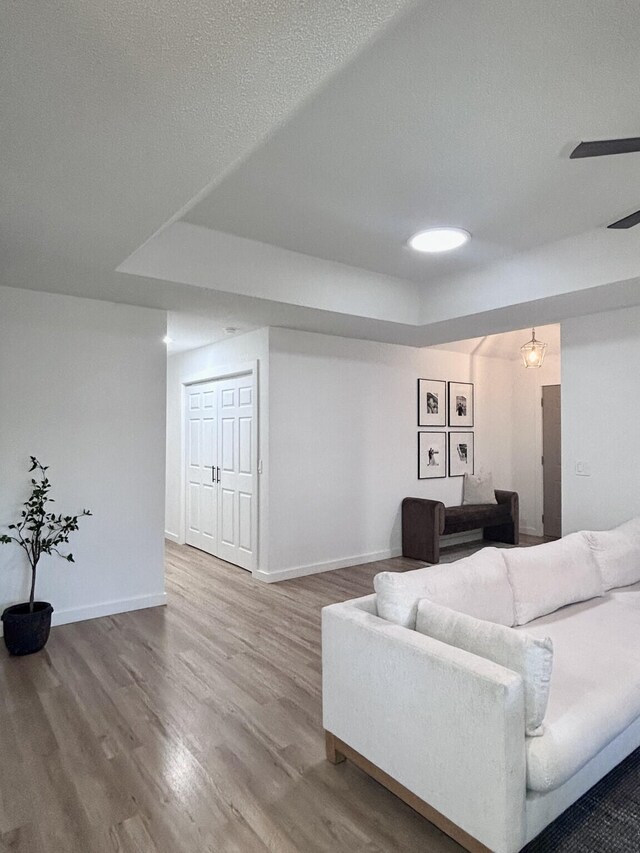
583,469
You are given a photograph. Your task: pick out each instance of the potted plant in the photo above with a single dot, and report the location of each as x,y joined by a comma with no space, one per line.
26,626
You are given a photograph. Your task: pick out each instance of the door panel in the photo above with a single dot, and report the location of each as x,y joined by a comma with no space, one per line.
201,451
552,461
244,526
227,526
238,472
244,439
227,454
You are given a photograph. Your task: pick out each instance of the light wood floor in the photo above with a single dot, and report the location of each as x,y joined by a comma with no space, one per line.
191,728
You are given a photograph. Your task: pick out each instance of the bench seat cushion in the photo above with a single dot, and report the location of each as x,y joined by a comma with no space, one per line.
460,518
595,686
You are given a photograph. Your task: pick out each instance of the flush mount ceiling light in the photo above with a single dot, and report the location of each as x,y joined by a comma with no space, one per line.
439,239
533,351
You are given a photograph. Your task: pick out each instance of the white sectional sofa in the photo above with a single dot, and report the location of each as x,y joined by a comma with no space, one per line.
491,693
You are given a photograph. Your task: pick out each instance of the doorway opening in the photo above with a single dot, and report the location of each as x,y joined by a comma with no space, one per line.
517,430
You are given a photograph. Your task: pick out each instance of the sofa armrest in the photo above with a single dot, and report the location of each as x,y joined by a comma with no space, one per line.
446,724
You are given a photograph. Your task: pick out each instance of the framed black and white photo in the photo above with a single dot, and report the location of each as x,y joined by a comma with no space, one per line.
432,402
461,454
461,404
432,455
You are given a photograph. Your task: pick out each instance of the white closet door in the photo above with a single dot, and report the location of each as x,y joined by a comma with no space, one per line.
236,507
201,433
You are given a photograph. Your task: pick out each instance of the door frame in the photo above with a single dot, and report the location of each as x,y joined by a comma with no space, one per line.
211,374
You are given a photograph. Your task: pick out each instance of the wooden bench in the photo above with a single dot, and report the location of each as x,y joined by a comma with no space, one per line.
425,521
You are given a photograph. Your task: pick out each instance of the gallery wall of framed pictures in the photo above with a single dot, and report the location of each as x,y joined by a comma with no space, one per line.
441,404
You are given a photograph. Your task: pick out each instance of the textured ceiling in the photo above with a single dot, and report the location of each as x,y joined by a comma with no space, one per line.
114,115
331,130
463,114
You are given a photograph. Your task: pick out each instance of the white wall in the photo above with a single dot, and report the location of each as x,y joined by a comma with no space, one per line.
82,387
343,453
601,418
202,363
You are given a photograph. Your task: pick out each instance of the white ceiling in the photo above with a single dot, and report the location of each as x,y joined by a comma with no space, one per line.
250,164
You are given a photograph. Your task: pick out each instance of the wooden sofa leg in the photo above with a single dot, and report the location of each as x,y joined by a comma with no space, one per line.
338,751
333,755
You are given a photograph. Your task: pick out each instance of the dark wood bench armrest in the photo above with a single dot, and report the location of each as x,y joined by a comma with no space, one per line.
510,498
422,526
506,532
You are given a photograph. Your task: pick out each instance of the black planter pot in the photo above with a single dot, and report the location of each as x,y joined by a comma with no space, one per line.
25,632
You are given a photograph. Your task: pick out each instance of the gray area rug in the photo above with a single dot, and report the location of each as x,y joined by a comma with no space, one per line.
605,820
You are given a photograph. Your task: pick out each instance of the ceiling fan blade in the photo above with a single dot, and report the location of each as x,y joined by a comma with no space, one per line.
627,222
603,147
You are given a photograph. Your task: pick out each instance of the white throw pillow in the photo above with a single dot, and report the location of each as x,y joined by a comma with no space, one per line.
477,585
547,577
617,553
478,489
530,657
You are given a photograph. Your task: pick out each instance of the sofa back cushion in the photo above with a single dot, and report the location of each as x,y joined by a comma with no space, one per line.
547,577
617,553
476,585
530,657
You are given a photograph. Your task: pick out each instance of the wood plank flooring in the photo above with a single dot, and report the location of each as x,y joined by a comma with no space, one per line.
191,728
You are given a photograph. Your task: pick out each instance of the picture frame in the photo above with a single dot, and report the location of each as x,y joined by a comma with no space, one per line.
461,453
432,402
461,404
432,455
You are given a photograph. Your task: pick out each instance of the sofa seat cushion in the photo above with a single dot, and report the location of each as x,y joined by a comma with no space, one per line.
595,689
547,577
460,518
476,585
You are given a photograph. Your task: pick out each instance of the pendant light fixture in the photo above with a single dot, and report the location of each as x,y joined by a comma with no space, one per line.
533,351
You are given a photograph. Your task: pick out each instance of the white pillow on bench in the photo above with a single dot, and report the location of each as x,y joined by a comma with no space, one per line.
547,577
478,489
476,585
617,553
530,657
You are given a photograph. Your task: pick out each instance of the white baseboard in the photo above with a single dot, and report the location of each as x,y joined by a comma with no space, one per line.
531,531
105,608
329,566
172,537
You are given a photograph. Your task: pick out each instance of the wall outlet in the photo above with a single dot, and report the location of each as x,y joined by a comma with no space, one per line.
583,469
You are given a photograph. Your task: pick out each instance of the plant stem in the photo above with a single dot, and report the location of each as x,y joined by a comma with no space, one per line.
33,588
